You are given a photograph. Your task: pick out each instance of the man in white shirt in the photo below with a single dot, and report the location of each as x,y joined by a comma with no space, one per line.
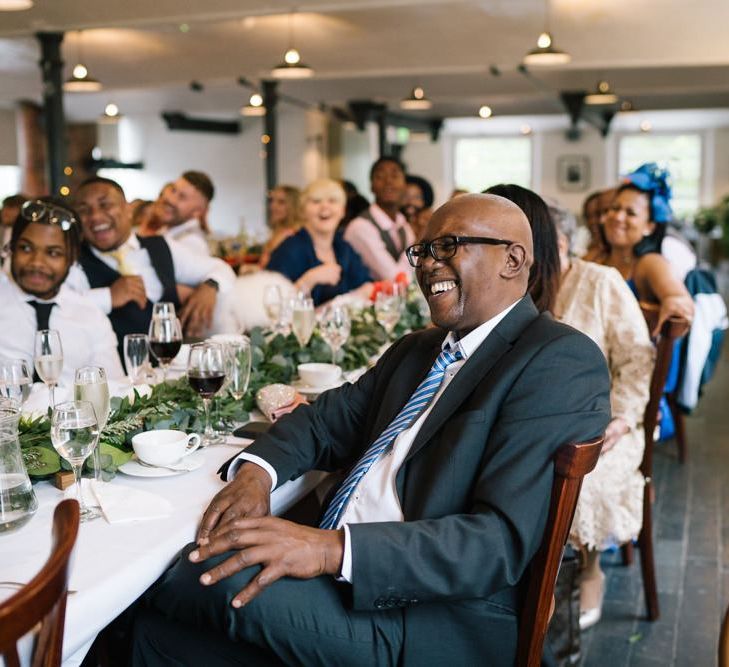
125,274
422,555
381,233
36,298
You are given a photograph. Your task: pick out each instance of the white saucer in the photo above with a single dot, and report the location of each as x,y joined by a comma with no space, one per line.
136,469
308,390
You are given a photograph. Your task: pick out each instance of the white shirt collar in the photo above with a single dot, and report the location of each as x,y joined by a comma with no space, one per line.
471,341
132,243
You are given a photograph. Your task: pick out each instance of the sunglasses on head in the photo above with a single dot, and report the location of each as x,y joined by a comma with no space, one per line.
37,210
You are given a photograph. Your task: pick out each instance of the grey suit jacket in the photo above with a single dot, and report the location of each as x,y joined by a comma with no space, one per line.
475,486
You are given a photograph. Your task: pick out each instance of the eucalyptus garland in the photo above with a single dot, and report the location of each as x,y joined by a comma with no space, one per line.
175,405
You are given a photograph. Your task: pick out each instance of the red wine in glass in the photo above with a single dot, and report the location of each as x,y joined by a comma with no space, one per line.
165,351
206,383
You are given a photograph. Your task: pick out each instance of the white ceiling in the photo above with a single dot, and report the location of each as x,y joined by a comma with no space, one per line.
658,53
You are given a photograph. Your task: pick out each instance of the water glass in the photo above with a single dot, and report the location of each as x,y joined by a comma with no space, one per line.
136,356
48,359
16,380
335,327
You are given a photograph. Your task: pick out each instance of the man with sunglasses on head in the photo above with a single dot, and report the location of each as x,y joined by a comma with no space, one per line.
126,274
44,244
421,555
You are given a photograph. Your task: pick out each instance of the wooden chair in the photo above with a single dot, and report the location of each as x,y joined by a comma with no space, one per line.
572,462
43,599
724,641
671,331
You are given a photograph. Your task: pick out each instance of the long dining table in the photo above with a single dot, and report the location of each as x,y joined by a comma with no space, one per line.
114,564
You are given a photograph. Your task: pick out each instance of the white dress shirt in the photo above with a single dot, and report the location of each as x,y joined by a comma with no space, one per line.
86,334
190,269
375,498
191,235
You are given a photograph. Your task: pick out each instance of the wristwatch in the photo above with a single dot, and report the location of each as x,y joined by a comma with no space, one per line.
212,283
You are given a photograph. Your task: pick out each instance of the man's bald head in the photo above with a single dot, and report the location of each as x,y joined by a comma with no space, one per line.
481,279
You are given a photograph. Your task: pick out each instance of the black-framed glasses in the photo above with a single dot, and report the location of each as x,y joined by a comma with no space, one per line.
445,247
37,210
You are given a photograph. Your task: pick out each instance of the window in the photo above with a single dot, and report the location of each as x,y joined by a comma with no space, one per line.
679,153
481,162
9,181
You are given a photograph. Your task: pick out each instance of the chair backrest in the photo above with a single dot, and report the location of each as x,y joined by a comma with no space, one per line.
43,598
724,641
672,329
572,462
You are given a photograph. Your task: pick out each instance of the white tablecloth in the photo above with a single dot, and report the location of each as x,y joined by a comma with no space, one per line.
113,565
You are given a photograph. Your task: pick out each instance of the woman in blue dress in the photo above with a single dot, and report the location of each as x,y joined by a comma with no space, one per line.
317,259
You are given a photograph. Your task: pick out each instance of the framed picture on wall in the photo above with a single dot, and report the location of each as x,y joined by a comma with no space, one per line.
573,173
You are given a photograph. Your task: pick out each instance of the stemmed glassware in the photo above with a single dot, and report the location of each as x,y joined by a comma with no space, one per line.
48,359
90,385
164,309
273,305
74,434
16,380
335,326
303,320
165,339
136,356
388,310
238,366
206,375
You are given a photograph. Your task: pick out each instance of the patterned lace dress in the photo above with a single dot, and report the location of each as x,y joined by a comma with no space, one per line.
596,300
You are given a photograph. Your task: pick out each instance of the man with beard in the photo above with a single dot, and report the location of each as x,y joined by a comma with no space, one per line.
180,211
422,554
45,243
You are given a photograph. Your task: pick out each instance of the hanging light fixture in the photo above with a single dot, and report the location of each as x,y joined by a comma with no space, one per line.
545,52
80,81
291,67
254,107
15,5
485,112
417,101
602,95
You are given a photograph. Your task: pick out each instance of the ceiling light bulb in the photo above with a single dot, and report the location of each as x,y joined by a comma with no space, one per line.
80,72
526,129
603,86
418,93
292,57
256,100
646,126
111,110
485,111
15,5
544,41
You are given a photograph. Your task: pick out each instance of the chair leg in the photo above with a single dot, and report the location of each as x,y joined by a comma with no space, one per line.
680,426
647,562
628,553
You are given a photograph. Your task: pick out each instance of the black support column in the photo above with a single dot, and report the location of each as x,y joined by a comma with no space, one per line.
270,101
52,69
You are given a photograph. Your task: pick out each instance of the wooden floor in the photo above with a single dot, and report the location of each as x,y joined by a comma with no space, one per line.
692,554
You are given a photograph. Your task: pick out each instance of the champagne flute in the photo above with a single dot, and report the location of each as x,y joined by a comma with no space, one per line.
272,304
335,327
90,385
16,380
387,311
136,355
165,340
49,359
238,366
74,433
206,375
303,320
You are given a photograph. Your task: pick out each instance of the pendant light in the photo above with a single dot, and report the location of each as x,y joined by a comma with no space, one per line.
254,107
15,5
417,101
80,81
292,67
545,52
602,95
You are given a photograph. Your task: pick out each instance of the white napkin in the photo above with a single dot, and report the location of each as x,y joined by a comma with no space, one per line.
121,503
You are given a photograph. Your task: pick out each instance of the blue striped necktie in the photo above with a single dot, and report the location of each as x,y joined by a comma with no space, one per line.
413,408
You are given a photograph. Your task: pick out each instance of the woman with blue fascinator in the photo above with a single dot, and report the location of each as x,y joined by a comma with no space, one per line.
635,226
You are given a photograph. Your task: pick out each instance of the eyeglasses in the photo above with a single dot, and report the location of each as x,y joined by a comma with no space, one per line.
445,247
37,210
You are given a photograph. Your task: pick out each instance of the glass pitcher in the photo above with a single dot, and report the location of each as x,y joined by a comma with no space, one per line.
17,499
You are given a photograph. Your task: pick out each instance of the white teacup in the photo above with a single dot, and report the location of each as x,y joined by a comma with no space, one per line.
319,375
164,447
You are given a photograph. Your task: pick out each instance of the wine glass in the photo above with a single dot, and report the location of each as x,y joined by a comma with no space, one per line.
335,327
238,366
206,374
303,320
90,385
49,359
136,355
165,340
164,309
16,380
387,311
272,304
74,433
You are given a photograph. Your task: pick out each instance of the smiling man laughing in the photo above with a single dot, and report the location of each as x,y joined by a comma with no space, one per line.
421,555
